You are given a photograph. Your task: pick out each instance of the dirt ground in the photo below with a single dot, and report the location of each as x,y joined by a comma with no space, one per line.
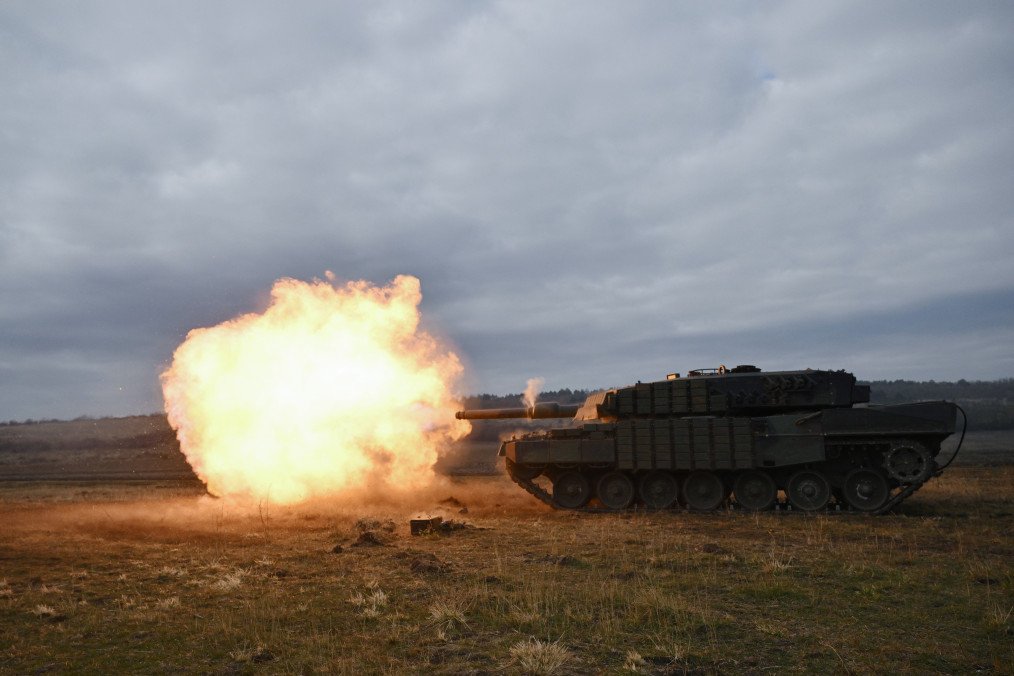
103,573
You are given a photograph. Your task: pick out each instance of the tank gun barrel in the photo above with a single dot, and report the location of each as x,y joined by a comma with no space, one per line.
543,410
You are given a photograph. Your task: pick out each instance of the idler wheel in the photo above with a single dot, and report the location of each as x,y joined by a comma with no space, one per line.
571,490
658,489
524,472
616,490
755,490
909,462
703,491
808,490
866,489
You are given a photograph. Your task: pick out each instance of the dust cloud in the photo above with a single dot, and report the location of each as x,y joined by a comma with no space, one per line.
152,514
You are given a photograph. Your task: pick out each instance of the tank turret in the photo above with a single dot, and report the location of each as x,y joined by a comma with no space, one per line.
742,390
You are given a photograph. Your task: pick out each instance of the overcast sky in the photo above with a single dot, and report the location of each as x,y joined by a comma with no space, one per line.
591,192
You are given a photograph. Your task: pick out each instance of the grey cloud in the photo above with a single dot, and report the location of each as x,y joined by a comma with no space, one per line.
593,193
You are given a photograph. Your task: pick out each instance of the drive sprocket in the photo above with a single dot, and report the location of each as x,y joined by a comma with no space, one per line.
909,462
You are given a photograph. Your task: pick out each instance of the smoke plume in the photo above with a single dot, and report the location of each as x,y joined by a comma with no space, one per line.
532,390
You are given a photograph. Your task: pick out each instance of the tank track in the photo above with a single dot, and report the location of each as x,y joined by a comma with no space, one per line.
544,496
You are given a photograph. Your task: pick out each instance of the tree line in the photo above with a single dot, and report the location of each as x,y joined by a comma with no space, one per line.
988,403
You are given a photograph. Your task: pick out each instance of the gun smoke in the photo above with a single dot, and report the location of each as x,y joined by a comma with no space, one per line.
532,390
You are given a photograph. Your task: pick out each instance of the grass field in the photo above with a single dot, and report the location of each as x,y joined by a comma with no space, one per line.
156,577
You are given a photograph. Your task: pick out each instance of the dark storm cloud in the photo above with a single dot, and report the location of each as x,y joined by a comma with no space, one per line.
591,193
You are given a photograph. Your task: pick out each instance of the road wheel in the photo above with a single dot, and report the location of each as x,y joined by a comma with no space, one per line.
658,489
808,490
571,490
866,489
755,490
703,491
616,490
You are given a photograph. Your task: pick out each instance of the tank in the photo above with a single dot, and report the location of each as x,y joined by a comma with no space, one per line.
742,438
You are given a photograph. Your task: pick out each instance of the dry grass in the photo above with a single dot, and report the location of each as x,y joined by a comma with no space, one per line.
539,657
447,614
370,604
155,580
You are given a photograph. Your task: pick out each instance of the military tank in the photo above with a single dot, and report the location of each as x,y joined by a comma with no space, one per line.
795,440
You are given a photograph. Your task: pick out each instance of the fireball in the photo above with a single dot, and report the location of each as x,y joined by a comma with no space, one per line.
332,387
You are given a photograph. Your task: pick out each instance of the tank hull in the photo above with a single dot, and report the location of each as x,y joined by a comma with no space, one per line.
886,449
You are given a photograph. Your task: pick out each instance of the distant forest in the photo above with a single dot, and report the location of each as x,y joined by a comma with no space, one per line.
989,404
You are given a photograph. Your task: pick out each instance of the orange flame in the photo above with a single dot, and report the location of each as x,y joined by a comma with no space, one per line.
330,388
